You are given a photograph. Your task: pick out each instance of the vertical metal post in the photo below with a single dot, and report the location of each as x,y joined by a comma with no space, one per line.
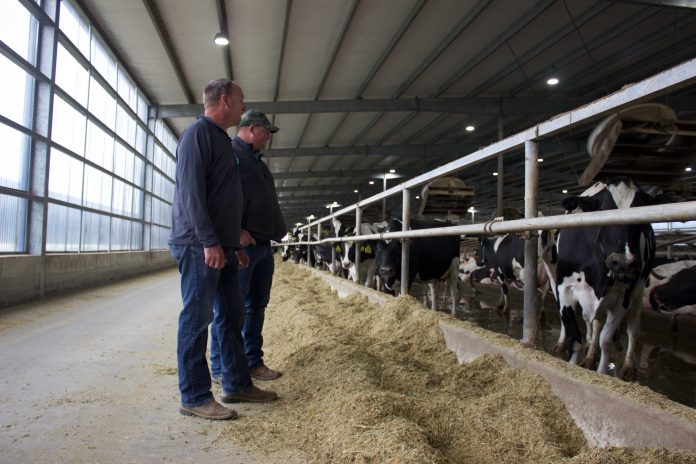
318,231
384,200
406,224
309,247
333,248
358,220
500,170
530,324
670,249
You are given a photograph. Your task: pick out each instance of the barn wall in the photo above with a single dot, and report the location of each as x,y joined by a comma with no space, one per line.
21,277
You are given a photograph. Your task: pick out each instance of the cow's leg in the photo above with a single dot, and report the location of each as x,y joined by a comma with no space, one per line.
628,371
570,338
503,303
432,286
454,283
612,324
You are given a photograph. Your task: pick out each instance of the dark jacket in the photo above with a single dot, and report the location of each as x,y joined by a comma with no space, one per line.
261,216
207,205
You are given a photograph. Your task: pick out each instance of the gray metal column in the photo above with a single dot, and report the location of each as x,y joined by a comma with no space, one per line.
333,252
384,200
318,231
309,247
501,170
358,220
406,224
530,325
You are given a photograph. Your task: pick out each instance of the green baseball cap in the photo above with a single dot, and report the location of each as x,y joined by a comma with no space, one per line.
257,118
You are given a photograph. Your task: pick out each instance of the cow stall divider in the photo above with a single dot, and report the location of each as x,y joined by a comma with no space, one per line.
667,81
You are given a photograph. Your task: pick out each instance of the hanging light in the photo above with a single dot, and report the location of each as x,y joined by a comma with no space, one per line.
552,81
221,39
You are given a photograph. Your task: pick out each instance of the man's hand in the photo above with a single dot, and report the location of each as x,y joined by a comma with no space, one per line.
243,259
214,257
245,238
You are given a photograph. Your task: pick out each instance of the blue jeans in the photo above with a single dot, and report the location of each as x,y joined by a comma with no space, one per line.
255,282
201,288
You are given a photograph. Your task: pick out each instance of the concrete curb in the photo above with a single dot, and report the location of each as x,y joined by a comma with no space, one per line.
606,418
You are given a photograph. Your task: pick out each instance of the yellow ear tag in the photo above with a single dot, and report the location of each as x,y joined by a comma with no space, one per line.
368,249
338,249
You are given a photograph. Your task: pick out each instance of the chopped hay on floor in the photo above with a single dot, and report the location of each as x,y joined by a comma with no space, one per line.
368,384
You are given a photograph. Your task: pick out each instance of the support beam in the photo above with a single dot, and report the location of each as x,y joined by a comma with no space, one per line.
491,106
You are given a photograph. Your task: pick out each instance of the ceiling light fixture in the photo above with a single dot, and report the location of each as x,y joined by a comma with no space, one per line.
372,182
552,81
688,169
392,171
221,39
417,197
355,191
495,173
541,160
470,128
564,191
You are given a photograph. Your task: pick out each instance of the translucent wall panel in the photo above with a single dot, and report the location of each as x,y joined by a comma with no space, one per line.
159,238
68,126
122,198
123,162
18,29
14,158
76,28
125,125
162,187
142,109
104,63
97,189
138,171
63,229
65,178
137,211
13,223
102,104
71,76
15,92
161,212
136,236
120,234
95,232
100,146
127,90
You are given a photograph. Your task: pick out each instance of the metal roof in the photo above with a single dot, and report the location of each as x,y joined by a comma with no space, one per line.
359,87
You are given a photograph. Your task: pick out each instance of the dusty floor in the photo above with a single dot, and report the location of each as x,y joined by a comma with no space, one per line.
91,377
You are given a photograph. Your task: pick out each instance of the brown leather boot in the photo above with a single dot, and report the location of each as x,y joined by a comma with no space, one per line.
210,410
252,395
262,372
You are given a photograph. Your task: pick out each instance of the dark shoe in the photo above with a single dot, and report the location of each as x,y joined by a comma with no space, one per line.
210,410
216,379
252,395
261,372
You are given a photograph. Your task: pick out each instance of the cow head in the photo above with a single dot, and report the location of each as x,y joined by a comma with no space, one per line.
628,249
388,257
466,267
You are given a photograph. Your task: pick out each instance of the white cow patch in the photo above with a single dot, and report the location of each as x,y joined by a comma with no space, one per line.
623,194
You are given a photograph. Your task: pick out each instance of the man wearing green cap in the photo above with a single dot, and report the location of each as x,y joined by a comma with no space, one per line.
262,221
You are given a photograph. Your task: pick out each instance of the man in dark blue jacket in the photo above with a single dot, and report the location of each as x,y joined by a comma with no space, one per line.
262,221
205,240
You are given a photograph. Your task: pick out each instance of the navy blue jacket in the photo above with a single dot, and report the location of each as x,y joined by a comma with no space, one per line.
207,206
261,217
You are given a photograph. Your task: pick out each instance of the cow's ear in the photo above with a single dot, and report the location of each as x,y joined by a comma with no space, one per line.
586,204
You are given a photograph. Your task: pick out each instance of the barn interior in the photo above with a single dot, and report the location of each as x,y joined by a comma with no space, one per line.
367,94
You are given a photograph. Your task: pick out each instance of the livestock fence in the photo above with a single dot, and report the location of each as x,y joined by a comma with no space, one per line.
665,82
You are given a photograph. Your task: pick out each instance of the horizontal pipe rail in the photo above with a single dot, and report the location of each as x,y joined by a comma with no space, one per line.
683,211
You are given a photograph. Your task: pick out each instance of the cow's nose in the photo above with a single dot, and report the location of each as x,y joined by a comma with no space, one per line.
386,269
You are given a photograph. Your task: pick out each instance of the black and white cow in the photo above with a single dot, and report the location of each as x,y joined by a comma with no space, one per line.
431,259
677,294
368,264
605,271
503,258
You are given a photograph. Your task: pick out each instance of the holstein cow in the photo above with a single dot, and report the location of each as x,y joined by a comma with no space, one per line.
676,294
604,270
503,258
368,264
431,259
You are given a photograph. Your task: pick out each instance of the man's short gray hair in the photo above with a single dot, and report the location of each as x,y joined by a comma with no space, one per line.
216,89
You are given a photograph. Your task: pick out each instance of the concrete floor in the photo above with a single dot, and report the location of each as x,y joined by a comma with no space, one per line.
91,377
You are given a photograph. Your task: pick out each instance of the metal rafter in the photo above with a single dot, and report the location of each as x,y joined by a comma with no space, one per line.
165,38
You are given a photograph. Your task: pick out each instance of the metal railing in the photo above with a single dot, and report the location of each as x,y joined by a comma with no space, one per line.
667,81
